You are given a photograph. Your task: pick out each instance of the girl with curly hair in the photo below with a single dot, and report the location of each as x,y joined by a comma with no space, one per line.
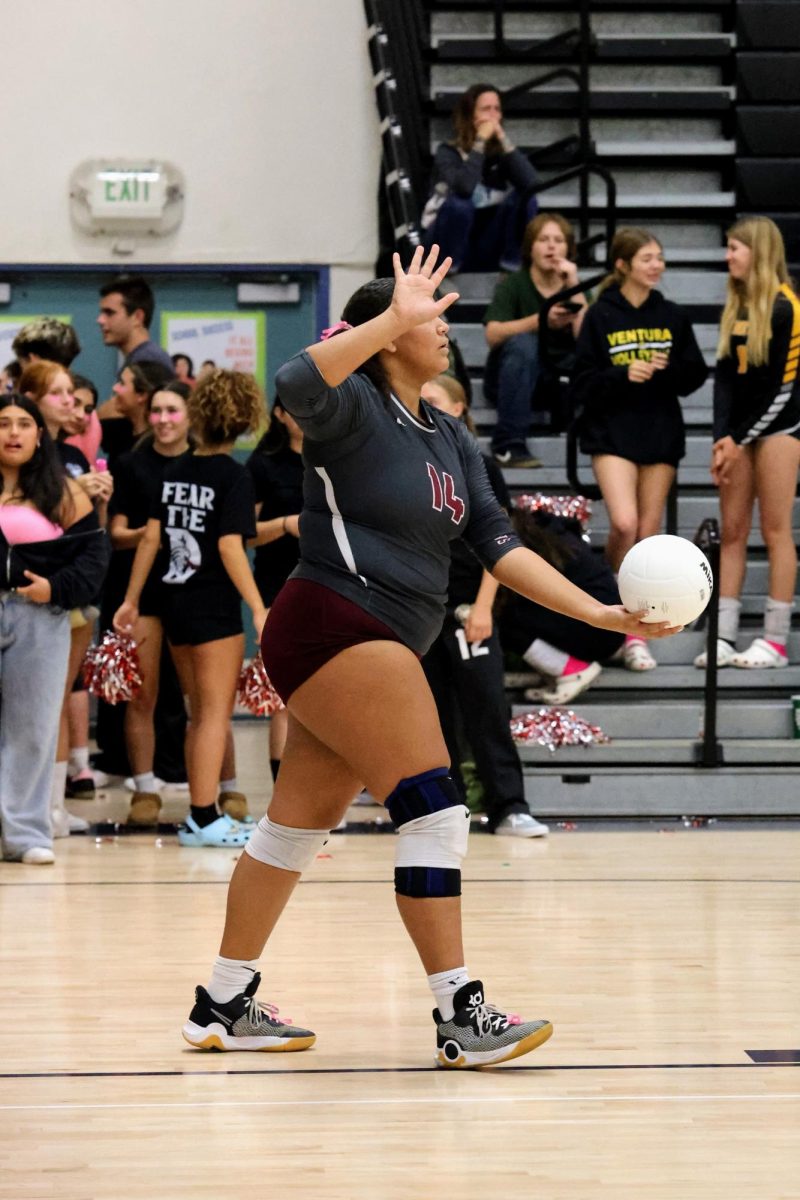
201,519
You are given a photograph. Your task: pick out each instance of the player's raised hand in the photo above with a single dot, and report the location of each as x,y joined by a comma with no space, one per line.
413,301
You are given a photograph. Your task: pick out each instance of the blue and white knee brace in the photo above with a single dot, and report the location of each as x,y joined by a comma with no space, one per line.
432,826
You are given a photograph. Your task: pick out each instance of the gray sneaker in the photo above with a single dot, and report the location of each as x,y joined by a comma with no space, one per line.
242,1024
479,1035
520,824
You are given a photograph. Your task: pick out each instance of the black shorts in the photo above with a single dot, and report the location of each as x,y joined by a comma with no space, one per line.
193,620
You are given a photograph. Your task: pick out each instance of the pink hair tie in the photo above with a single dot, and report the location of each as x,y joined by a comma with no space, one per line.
339,327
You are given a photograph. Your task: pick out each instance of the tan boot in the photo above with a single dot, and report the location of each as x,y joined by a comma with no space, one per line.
233,805
145,807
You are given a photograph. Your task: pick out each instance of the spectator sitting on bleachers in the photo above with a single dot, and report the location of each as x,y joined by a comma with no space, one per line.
637,353
566,652
756,450
514,368
481,184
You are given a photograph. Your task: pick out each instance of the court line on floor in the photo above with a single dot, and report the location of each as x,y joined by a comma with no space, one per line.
539,881
360,1102
523,1067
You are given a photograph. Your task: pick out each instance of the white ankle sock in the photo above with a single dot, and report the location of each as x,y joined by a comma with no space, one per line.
59,785
777,621
229,785
546,658
146,782
229,977
444,985
729,609
78,760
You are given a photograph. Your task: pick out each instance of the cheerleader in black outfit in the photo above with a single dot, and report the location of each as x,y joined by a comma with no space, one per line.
276,466
756,450
636,355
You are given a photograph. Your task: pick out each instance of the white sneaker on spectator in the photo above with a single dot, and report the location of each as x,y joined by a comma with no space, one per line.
564,688
725,655
760,654
64,823
520,824
102,780
39,856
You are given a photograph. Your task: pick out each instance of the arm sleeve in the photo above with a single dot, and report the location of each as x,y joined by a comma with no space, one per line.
594,379
120,497
489,533
323,413
520,170
462,175
79,582
237,514
769,395
687,367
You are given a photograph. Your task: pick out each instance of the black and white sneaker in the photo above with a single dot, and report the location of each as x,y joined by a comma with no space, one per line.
242,1024
480,1035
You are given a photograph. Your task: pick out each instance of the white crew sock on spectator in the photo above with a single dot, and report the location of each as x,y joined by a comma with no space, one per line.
146,782
78,760
444,985
777,622
546,658
229,978
229,785
59,786
729,609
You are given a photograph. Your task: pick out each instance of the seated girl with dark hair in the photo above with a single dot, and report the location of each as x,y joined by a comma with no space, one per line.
480,188
567,652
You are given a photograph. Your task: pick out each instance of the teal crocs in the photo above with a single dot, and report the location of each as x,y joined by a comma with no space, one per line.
222,832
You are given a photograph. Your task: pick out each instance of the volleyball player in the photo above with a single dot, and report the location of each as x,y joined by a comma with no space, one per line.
389,483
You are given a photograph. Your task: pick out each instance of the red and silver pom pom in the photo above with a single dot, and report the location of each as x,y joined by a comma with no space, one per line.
256,693
576,508
111,670
554,727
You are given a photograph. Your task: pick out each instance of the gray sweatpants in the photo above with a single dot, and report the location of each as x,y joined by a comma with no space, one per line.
34,651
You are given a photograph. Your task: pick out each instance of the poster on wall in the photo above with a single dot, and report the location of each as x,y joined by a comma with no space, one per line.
10,326
233,340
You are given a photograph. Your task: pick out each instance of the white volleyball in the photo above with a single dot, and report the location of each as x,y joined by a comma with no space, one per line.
669,576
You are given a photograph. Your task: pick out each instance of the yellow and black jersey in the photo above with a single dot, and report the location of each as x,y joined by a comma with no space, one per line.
754,402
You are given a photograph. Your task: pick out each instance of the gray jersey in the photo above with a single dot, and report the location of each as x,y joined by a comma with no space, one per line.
384,495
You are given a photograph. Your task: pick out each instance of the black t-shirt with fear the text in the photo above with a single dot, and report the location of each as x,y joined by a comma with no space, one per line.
203,498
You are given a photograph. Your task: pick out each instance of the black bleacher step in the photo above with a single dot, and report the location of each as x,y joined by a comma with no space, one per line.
768,24
642,48
628,99
769,76
764,182
768,130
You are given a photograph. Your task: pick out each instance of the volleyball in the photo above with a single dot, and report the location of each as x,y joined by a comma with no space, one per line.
667,575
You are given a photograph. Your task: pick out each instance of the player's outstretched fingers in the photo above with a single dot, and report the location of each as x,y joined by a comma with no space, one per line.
415,267
445,302
442,271
430,261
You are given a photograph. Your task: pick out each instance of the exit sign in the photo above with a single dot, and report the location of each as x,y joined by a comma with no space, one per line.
127,191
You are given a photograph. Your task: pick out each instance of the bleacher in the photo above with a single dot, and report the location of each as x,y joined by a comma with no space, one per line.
662,106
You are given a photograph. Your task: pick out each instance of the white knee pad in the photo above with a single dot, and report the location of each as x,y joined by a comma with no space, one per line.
283,847
438,839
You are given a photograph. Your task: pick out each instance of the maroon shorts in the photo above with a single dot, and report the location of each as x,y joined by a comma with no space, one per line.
308,625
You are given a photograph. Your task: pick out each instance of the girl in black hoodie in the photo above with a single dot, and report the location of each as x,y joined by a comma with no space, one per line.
636,355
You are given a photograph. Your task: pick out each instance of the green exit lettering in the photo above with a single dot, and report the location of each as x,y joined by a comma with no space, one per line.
129,188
